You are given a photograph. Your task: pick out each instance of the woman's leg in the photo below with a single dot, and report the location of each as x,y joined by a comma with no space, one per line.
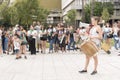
87,62
95,62
44,46
24,51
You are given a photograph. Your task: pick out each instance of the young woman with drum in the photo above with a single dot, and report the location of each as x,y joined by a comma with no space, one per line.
95,35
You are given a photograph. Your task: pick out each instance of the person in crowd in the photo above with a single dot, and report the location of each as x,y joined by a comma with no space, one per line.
83,34
107,35
1,41
62,38
119,40
37,28
50,38
56,40
32,38
23,41
63,42
43,39
95,34
115,35
17,44
77,38
71,42
10,42
6,40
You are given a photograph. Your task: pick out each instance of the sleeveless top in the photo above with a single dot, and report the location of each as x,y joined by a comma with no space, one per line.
94,33
115,31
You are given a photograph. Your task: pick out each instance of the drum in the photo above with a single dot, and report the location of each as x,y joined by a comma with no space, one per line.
105,46
89,48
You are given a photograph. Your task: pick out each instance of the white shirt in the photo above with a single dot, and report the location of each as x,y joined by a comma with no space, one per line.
16,45
0,34
83,31
33,33
40,33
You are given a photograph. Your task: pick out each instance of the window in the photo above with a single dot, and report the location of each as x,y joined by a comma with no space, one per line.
117,12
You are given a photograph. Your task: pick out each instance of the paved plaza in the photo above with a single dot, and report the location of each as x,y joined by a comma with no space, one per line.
59,66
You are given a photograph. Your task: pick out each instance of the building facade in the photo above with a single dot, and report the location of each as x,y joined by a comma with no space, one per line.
77,5
73,4
54,6
116,15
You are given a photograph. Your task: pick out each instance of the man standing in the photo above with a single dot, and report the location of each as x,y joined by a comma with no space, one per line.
31,39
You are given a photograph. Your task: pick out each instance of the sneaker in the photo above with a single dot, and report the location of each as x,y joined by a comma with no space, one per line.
83,71
118,54
108,52
25,57
94,72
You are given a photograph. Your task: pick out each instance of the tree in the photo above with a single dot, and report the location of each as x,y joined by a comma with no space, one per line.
71,16
24,12
105,14
97,9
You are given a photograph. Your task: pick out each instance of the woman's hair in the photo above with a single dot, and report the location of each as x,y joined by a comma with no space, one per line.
96,18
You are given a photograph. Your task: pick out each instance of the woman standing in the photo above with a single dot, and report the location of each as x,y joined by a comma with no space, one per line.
43,39
24,41
108,35
115,35
17,43
95,35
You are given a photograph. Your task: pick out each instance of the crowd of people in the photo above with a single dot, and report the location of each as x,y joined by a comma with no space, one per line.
38,38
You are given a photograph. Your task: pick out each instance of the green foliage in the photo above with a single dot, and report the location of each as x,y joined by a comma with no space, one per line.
71,16
97,10
87,11
105,14
109,6
25,12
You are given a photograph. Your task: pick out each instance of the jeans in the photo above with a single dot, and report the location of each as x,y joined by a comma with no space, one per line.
51,44
116,42
5,44
71,44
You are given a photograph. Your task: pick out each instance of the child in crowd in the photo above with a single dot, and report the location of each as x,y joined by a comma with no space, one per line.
17,44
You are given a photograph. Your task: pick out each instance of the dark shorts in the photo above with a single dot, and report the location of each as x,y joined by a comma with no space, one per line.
16,51
24,43
43,38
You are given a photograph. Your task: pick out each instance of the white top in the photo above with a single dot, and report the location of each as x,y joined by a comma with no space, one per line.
50,30
43,32
83,31
32,33
40,33
0,34
93,33
107,30
115,31
54,30
16,45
